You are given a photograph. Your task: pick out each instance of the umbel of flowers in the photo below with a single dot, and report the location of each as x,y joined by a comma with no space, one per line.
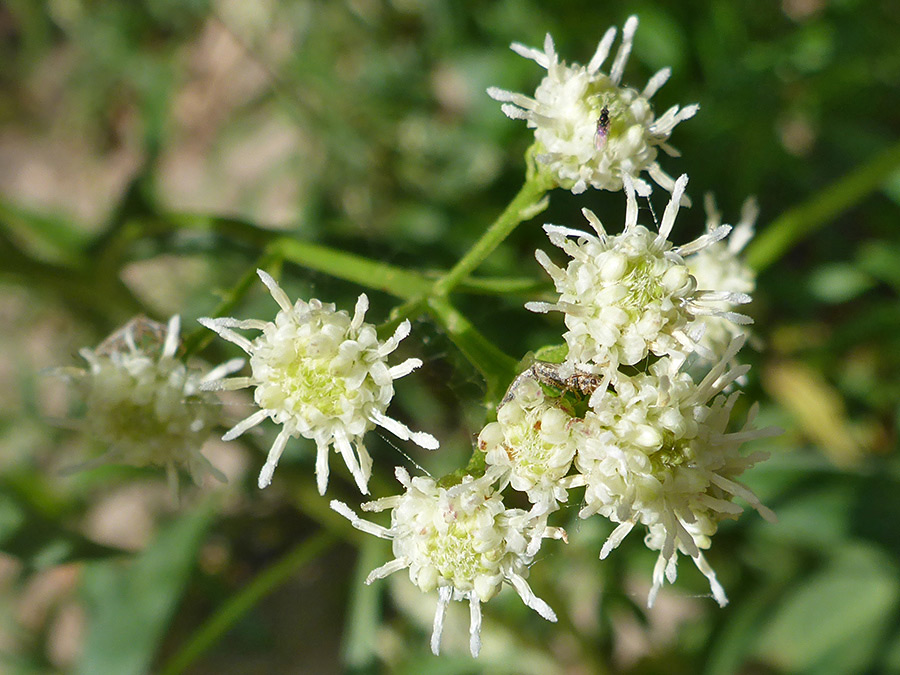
636,412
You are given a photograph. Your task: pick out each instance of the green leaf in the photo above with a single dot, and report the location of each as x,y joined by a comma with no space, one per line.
232,610
552,353
834,622
794,224
129,605
31,525
839,282
48,238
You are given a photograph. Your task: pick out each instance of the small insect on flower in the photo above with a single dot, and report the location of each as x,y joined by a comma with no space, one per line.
602,132
571,111
322,375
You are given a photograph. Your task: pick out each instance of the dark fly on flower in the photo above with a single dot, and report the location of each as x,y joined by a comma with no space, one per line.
602,129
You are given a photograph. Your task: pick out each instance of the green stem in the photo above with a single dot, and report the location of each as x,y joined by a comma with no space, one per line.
525,286
238,605
367,273
800,221
527,204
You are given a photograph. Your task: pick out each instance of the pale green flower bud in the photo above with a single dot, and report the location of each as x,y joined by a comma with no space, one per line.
145,404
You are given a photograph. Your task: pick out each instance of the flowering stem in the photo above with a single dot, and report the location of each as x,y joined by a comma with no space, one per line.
802,220
228,614
528,203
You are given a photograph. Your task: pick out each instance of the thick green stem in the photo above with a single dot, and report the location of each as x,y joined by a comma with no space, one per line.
238,605
795,224
528,203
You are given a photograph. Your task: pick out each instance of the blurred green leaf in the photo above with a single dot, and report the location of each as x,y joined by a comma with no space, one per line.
834,621
31,527
364,612
129,605
839,282
244,600
881,259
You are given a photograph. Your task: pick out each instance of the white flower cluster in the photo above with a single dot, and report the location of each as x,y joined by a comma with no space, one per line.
589,129
144,403
652,448
322,375
656,451
632,294
461,540
621,416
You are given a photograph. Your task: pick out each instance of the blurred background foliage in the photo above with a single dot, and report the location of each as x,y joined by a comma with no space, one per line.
149,151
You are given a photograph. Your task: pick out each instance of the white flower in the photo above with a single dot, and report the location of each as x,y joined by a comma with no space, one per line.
144,403
321,375
461,540
590,130
720,266
533,440
656,452
631,294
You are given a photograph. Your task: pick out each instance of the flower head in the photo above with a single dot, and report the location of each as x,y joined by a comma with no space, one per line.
656,451
461,540
631,294
534,442
720,266
146,404
322,375
590,130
